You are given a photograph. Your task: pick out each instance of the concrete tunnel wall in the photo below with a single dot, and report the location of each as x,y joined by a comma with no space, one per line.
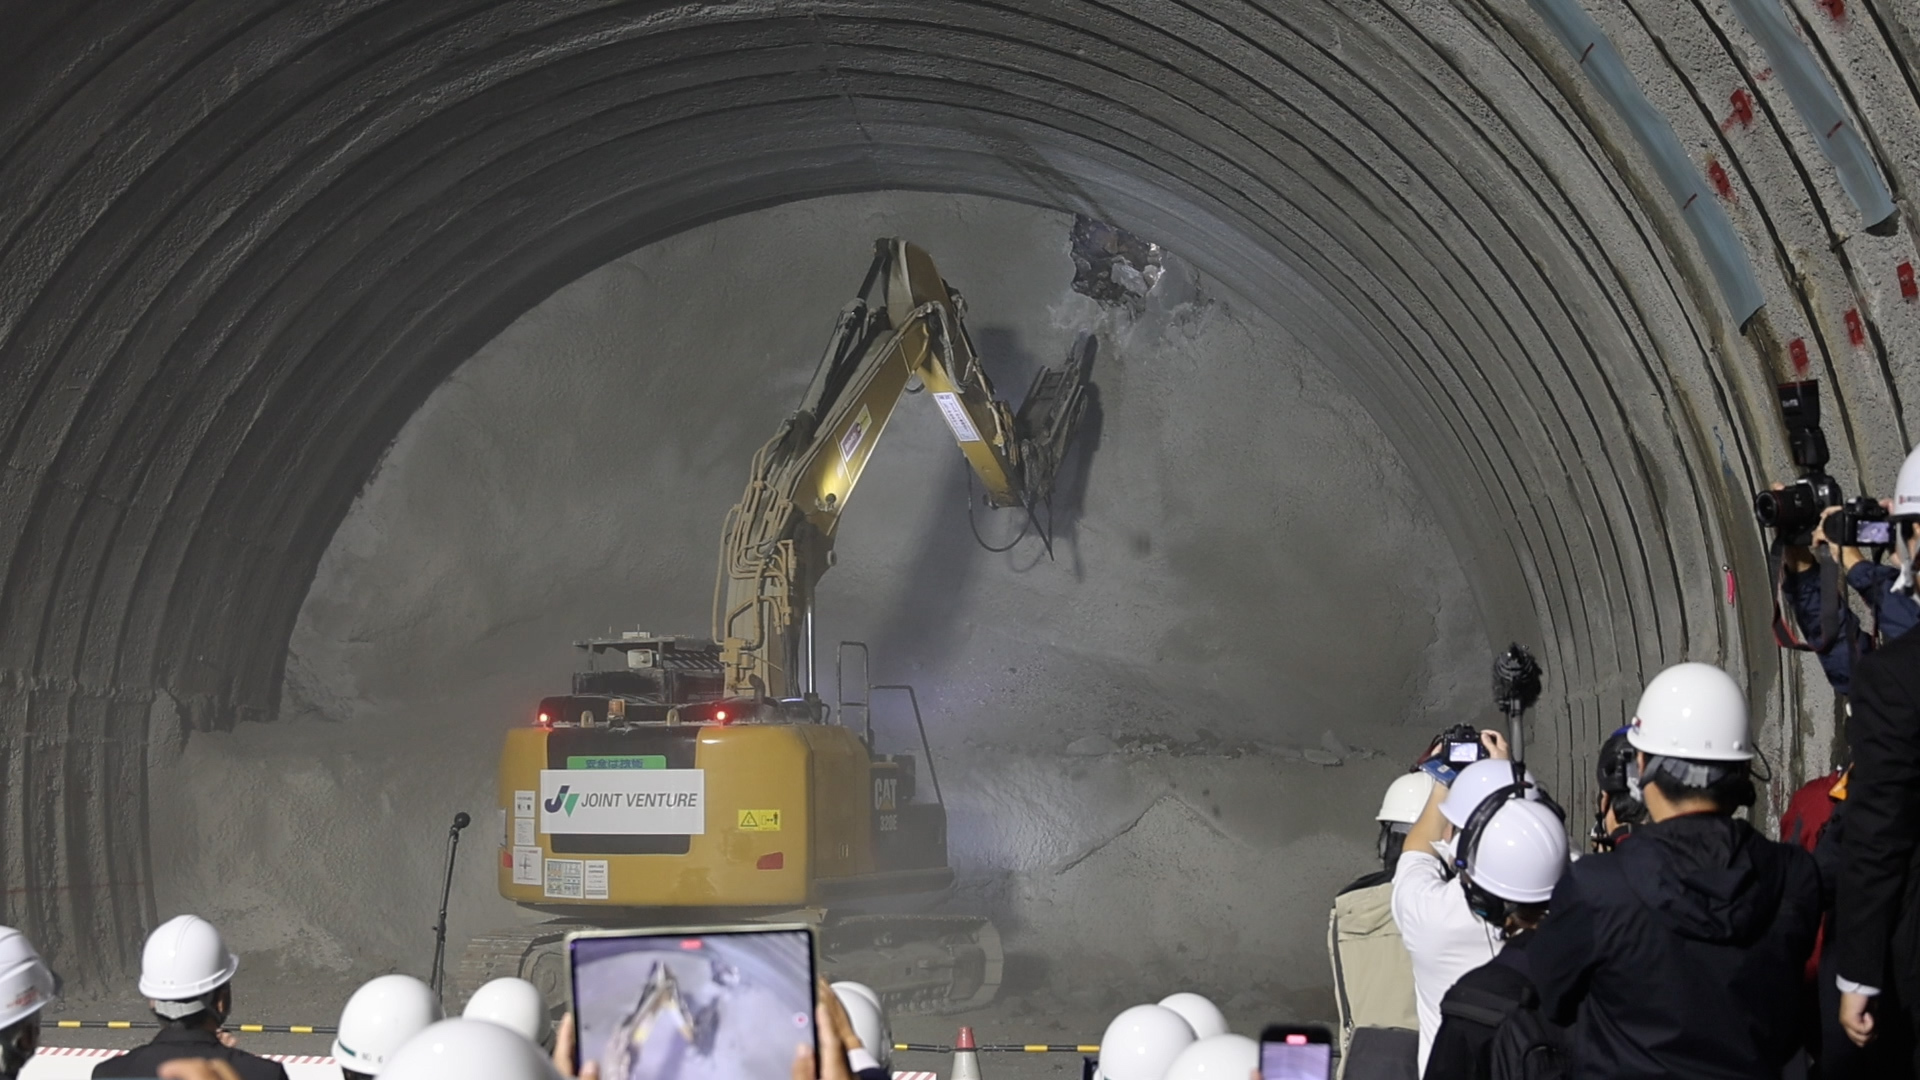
242,242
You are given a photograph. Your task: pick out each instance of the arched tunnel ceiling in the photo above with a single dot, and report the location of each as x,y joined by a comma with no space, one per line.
243,240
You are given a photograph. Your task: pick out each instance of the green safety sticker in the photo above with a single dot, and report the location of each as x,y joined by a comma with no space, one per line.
617,761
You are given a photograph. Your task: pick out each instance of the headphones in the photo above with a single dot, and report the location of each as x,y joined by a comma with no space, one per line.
1482,903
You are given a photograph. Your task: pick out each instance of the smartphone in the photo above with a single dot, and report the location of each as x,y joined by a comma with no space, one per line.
1296,1052
692,1004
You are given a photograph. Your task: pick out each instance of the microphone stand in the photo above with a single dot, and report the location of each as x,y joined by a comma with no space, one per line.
460,821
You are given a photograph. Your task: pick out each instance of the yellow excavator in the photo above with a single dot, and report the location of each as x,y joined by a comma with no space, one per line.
698,779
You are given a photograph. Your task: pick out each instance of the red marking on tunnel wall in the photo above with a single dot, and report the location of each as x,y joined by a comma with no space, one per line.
1856,330
1797,349
1742,113
1722,183
1909,289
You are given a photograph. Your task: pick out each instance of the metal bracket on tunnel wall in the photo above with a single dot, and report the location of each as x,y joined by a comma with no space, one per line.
1819,107
1725,254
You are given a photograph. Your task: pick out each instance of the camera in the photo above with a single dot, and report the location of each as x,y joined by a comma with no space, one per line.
1462,746
1794,511
1861,522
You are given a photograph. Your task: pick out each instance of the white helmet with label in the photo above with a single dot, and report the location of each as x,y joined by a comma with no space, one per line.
1216,1057
514,1004
1692,711
1203,1016
462,1048
1521,853
185,958
379,1019
1475,783
1405,799
869,1021
1906,511
1142,1042
26,983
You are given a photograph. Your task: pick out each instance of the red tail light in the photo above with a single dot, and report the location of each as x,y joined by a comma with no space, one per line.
775,861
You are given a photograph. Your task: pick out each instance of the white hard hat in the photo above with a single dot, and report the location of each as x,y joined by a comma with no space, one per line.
1216,1057
514,1004
379,1018
1906,490
869,1022
465,1049
184,959
1406,798
1692,711
26,983
1475,783
846,987
1521,854
1142,1042
1201,1015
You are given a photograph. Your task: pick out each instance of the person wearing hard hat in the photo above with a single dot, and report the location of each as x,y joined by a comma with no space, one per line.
514,1004
468,1048
1510,856
1372,973
26,985
1876,925
378,1019
1443,938
1682,953
1618,809
1142,1042
186,974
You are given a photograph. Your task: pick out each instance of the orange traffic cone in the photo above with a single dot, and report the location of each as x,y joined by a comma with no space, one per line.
966,1060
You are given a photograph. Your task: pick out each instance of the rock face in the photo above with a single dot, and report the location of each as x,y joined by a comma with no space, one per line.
1118,727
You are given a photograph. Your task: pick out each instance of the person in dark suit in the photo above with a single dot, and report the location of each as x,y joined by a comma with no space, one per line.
186,975
1877,922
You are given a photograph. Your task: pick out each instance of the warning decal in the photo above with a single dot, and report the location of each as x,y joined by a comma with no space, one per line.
850,441
957,418
526,866
566,879
759,821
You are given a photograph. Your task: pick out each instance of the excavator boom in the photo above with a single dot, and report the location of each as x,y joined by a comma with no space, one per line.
905,325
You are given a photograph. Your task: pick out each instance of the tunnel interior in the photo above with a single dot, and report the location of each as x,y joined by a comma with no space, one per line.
1442,357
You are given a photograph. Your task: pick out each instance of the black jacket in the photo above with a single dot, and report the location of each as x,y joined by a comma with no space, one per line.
176,1042
1874,929
1460,1047
1682,953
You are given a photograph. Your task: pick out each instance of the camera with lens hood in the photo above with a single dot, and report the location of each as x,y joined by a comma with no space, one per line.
1794,510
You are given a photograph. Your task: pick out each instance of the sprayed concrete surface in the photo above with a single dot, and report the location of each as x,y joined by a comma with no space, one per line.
1161,748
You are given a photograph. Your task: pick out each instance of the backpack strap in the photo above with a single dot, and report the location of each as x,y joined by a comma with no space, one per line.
1483,1007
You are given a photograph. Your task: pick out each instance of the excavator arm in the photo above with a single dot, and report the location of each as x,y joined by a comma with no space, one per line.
778,540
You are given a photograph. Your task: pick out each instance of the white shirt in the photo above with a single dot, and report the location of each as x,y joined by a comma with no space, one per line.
1443,936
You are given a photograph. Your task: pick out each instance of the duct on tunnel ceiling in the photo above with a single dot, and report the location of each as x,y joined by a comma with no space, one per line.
242,243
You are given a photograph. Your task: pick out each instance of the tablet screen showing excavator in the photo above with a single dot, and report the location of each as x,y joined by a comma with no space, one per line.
692,1005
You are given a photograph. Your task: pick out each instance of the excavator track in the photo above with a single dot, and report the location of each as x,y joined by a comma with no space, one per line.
534,953
930,964
926,964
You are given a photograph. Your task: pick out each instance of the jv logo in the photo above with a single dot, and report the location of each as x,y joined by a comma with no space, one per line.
562,800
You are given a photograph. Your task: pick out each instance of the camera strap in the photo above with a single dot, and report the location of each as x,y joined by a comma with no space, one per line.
1786,628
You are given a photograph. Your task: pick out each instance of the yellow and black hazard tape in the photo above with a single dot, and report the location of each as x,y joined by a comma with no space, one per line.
1002,1048
151,1025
